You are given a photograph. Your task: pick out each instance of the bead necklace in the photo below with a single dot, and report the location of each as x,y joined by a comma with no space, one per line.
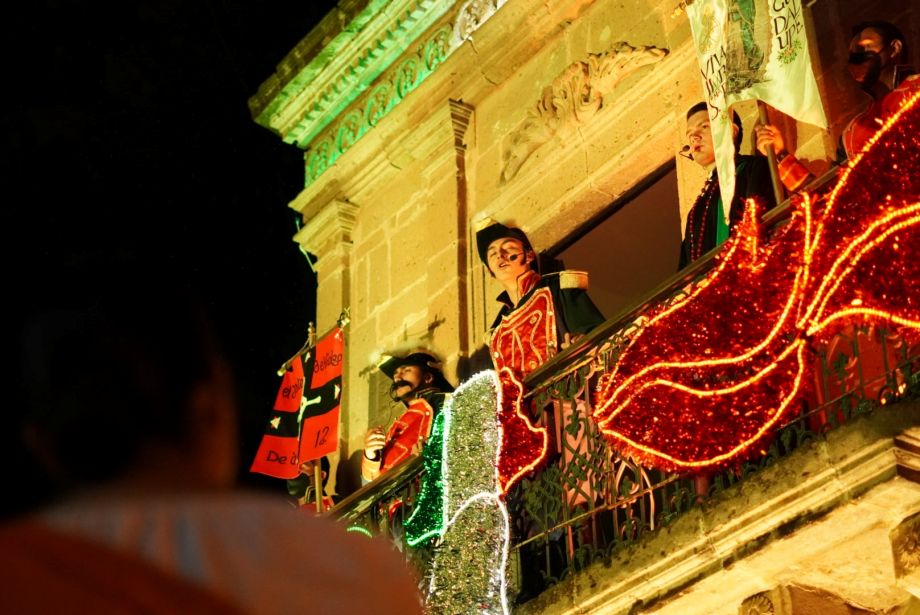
704,199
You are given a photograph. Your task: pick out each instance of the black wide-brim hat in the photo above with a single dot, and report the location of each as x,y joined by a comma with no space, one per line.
486,236
419,359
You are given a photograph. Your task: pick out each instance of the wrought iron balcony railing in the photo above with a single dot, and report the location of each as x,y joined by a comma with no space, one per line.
588,501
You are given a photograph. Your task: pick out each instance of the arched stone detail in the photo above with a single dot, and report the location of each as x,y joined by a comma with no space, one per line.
574,97
758,604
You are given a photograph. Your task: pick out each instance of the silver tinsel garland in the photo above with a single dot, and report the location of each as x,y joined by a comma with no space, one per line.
468,571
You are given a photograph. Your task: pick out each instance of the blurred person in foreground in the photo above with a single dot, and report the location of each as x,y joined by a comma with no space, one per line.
133,416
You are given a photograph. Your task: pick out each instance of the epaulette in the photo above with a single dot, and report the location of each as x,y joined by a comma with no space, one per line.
569,279
435,398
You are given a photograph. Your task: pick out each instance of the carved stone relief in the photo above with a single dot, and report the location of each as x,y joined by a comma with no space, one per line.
471,15
758,604
573,98
793,599
905,546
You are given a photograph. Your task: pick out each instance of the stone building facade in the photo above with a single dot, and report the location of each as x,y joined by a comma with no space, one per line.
419,117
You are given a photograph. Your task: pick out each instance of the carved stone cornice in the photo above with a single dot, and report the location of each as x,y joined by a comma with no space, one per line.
305,96
333,224
348,97
573,98
314,83
471,15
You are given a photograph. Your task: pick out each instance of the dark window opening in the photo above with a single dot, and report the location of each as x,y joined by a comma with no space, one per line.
631,248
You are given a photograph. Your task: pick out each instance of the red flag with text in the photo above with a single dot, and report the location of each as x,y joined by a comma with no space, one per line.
278,453
304,424
319,433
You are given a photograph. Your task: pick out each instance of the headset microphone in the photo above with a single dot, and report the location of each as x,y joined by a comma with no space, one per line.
683,152
513,257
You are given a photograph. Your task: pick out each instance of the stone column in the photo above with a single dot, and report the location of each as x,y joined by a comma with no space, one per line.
460,116
327,236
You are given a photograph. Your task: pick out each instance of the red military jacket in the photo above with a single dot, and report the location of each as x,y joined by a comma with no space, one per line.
524,337
527,335
862,127
408,433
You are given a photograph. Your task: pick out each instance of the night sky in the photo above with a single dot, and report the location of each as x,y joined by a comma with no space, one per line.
128,136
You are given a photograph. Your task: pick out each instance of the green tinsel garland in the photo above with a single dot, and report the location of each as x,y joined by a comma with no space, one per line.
468,571
427,518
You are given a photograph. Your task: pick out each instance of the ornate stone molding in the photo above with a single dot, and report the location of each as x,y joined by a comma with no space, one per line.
334,223
573,98
392,87
758,604
471,15
357,43
905,547
375,104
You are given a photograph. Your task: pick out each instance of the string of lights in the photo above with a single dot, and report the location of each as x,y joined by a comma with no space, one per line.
710,377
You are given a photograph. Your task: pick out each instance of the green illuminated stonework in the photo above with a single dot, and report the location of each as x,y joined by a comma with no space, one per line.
372,107
351,70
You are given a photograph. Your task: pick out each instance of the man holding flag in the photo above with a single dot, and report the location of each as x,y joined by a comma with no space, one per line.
706,228
876,59
421,386
751,49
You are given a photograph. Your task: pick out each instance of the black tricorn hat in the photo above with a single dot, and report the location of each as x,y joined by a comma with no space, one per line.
497,230
420,359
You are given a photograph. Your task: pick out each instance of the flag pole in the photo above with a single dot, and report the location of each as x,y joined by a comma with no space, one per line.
318,487
310,343
778,191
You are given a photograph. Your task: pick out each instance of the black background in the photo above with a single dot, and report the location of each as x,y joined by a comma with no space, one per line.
127,134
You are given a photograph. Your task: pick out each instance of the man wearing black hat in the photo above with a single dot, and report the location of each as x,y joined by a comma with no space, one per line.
538,314
419,384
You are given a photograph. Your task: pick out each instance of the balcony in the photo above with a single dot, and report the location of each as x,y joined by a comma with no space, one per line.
594,529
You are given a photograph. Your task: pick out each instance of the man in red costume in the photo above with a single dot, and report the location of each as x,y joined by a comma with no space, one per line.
419,384
539,314
877,51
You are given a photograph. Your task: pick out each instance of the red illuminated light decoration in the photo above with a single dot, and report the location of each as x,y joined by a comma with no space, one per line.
520,344
523,445
710,377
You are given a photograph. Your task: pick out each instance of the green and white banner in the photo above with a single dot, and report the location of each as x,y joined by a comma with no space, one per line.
752,49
